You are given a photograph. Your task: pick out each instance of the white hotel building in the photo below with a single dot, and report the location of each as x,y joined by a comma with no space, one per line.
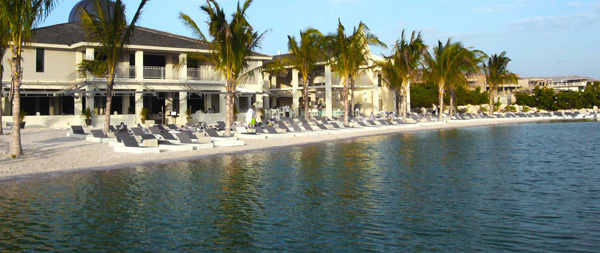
155,73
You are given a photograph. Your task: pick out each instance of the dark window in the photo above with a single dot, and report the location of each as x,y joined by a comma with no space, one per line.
39,60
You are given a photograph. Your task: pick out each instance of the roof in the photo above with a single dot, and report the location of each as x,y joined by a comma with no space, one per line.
558,79
73,33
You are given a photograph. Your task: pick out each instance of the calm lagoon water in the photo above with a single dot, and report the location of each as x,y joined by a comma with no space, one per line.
530,187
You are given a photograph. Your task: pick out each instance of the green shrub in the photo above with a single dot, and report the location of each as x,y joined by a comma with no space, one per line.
511,108
526,109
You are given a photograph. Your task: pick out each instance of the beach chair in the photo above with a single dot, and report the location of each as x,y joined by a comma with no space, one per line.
173,127
167,136
112,129
186,140
218,140
97,136
78,132
130,145
138,131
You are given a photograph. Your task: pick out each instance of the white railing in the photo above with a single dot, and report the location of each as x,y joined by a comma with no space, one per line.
154,73
126,72
203,73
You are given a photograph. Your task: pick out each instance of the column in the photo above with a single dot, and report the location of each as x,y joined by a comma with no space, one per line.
295,94
78,105
168,106
89,54
183,67
125,105
51,106
183,107
260,101
376,108
89,103
139,66
139,103
207,101
328,95
222,104
169,68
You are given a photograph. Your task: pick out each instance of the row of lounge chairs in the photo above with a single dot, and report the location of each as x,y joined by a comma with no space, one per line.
565,115
155,139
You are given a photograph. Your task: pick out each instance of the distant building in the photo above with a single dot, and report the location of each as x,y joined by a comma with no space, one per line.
558,83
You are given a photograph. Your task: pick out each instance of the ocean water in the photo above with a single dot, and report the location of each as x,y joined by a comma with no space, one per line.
528,187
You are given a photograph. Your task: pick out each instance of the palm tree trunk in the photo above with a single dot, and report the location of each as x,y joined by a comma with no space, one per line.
441,97
109,97
491,106
399,101
15,149
345,97
404,103
452,102
352,97
229,100
305,97
408,98
1,91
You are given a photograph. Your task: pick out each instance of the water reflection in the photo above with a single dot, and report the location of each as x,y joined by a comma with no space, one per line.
477,189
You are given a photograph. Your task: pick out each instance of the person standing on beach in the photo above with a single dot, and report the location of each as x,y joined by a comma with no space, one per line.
250,117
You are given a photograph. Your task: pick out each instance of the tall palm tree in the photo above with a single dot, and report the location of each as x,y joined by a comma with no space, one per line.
349,53
392,76
304,57
4,39
496,73
232,42
20,18
447,63
106,24
410,55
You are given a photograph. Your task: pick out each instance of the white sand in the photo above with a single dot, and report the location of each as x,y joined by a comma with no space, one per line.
48,152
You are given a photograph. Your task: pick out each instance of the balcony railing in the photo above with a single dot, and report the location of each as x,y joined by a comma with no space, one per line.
203,73
126,72
154,73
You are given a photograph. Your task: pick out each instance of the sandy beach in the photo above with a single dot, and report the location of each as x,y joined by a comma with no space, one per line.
48,152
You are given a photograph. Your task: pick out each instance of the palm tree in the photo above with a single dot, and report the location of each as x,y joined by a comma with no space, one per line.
107,25
349,53
392,76
305,55
496,73
410,55
20,18
232,42
4,38
447,63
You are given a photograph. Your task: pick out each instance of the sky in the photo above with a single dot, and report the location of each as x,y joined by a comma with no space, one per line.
542,37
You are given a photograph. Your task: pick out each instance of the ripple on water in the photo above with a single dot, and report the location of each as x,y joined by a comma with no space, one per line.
531,187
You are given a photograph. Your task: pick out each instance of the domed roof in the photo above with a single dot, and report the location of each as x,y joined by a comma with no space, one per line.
88,5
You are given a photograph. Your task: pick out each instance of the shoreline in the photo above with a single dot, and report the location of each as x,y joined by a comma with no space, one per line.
49,153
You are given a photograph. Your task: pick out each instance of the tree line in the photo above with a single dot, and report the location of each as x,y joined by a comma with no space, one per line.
548,99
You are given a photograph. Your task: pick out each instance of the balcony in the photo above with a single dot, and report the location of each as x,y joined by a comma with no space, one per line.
126,72
155,73
203,73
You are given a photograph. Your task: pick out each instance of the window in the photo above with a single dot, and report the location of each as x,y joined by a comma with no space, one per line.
380,104
39,60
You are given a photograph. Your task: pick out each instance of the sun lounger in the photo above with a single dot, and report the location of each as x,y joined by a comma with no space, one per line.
220,141
99,136
77,132
130,145
173,127
185,139
138,131
244,133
